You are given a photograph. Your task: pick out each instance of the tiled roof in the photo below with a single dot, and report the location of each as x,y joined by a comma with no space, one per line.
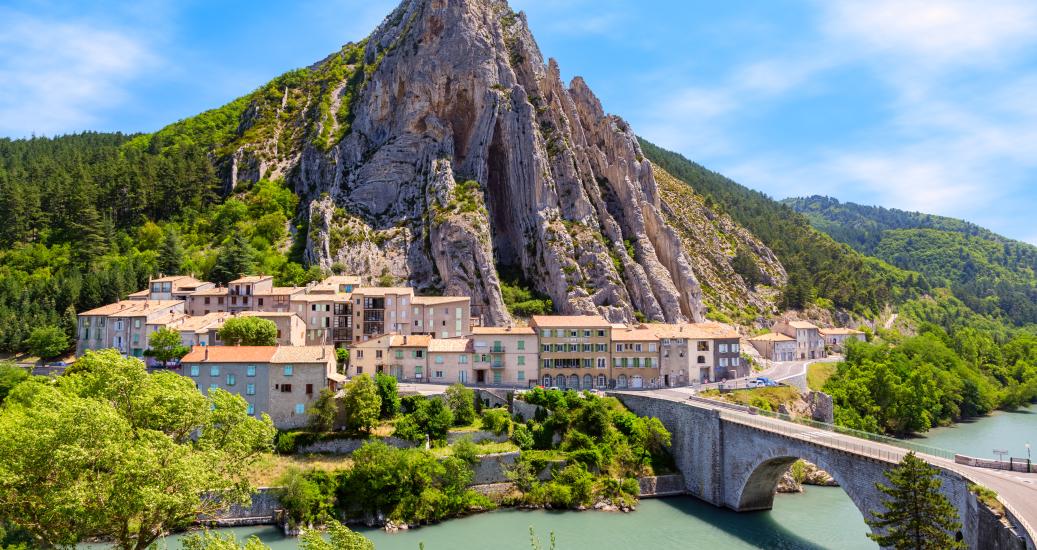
632,334
141,294
251,279
303,354
570,321
319,298
250,313
450,345
772,337
280,291
179,279
802,325
411,341
132,308
382,291
230,354
203,322
380,342
502,331
840,331
697,331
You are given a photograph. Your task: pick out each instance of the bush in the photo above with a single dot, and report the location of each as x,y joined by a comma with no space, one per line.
361,404
522,437
387,391
306,497
430,418
462,404
497,421
466,451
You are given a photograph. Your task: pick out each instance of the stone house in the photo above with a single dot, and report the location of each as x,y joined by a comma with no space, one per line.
574,349
775,346
635,358
836,338
504,356
281,381
698,353
126,325
809,343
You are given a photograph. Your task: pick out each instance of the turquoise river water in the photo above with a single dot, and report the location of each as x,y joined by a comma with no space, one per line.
819,518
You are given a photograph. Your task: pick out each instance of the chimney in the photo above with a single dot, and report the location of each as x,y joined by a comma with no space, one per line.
206,353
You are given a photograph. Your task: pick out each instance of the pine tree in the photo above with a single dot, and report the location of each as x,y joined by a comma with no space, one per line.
172,253
236,257
917,516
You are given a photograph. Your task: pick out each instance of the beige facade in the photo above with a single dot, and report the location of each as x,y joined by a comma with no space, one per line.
635,358
280,381
202,330
571,348
376,311
836,338
696,353
126,325
504,356
171,288
775,346
291,330
449,361
809,343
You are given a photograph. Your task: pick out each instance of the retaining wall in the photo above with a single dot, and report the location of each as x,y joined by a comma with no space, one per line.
1018,465
348,446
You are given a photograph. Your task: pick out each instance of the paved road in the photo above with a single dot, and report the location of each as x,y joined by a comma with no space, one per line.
1018,491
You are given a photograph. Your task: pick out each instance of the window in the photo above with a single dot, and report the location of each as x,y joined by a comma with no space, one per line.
703,346
214,370
462,360
250,389
723,348
399,354
136,323
261,302
251,409
439,359
651,348
300,408
419,354
546,333
309,389
600,348
231,379
619,347
587,348
521,360
521,376
286,388
250,370
616,361
206,300
438,374
418,372
194,370
734,348
637,347
601,362
574,333
586,334
601,334
521,345
545,348
288,370
213,387
574,347
701,360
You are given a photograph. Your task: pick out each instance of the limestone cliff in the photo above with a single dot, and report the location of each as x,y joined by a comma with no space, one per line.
443,147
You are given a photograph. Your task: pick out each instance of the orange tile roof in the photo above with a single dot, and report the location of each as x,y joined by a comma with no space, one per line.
570,321
772,337
411,341
503,331
303,354
230,354
203,322
840,331
280,291
215,291
696,331
450,345
633,334
250,313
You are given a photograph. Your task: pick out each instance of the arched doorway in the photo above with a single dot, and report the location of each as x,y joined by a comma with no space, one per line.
560,381
588,381
621,381
574,381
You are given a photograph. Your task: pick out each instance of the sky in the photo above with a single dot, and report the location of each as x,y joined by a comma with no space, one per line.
927,105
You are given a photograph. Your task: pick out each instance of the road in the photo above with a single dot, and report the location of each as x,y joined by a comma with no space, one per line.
1018,491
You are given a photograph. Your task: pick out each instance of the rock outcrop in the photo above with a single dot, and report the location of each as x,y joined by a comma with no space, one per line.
443,148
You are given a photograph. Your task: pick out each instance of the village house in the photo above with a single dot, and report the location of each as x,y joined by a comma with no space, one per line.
281,381
809,343
176,287
836,338
694,353
573,347
635,358
202,330
126,325
448,361
504,356
775,346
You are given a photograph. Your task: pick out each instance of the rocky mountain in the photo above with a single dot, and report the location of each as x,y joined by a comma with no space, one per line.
443,148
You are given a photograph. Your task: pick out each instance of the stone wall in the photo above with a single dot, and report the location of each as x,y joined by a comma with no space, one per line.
1017,465
477,436
526,410
348,446
259,512
661,486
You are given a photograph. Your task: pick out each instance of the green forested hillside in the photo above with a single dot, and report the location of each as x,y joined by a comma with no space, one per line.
89,217
818,267
989,273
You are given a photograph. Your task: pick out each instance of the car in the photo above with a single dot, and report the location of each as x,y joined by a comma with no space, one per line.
57,364
756,383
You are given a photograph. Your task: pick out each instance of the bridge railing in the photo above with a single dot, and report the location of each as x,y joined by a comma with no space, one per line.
860,434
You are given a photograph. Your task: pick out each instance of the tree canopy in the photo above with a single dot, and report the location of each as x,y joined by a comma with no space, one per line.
165,345
111,450
916,516
248,331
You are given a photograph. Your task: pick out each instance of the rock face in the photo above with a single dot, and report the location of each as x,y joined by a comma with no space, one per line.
442,150
462,151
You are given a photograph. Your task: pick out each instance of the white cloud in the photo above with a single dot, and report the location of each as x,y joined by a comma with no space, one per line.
56,76
932,32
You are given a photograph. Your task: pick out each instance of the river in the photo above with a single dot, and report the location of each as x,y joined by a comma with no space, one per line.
820,518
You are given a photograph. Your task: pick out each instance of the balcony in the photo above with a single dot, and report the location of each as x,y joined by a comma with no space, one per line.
496,365
496,349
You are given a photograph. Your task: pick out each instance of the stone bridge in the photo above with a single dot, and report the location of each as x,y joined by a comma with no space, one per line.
734,459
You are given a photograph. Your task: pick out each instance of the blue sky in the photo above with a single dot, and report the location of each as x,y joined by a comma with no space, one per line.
926,105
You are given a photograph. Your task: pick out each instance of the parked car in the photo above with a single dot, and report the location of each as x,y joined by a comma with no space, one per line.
764,382
756,383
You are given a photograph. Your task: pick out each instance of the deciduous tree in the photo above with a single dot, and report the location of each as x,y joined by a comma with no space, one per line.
165,345
361,404
248,331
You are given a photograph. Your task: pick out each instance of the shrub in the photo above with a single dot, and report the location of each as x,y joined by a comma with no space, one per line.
306,497
497,421
466,451
431,418
522,437
462,404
